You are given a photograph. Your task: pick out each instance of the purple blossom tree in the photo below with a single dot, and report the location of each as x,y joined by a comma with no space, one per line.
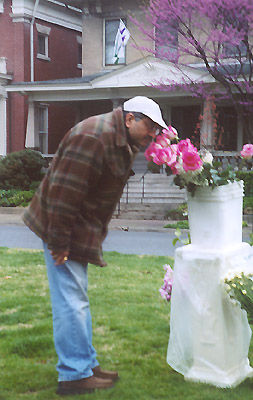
213,38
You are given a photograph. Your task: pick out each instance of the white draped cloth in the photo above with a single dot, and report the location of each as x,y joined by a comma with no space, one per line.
209,334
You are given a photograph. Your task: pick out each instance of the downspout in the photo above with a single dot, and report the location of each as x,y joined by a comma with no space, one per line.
31,40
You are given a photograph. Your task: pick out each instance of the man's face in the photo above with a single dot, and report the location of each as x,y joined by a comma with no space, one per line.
141,131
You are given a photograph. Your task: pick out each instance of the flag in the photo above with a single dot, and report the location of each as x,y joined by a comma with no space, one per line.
121,40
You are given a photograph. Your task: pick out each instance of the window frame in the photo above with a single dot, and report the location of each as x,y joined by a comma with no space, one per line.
105,20
79,52
43,32
172,46
43,130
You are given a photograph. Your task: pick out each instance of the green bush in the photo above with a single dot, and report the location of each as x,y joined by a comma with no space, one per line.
20,169
248,205
179,213
154,168
247,178
15,198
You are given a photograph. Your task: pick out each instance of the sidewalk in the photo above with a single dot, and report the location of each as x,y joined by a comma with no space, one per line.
13,216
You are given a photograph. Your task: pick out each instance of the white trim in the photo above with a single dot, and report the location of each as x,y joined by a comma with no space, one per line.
3,125
30,126
79,39
45,30
57,15
3,69
1,6
43,107
43,57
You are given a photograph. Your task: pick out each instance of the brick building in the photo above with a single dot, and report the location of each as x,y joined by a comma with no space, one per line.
40,40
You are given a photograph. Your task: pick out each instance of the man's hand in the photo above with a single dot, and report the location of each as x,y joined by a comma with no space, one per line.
59,257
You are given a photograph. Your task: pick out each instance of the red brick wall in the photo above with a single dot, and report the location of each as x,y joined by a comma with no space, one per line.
15,46
62,51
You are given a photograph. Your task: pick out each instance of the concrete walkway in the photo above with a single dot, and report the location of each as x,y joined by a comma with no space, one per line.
13,216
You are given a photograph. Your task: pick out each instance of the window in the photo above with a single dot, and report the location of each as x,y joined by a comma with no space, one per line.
166,40
43,39
79,52
235,27
43,129
227,124
110,31
42,44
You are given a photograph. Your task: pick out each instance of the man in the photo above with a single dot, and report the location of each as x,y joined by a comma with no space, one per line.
70,212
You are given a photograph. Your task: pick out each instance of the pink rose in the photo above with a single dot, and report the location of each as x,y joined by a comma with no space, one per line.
163,140
176,168
191,160
186,145
174,149
163,156
247,151
150,152
170,133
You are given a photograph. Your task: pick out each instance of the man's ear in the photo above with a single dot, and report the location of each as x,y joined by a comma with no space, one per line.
129,119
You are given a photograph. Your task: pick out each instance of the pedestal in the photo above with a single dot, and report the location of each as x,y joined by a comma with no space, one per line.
209,335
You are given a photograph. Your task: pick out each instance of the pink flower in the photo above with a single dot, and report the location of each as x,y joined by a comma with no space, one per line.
166,288
191,160
150,152
186,145
163,140
176,168
163,156
170,133
247,151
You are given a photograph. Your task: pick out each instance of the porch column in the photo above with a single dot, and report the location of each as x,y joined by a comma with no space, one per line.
207,125
3,124
30,139
116,103
239,134
166,112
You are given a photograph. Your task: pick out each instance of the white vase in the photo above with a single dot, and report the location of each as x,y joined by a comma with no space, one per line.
209,335
215,216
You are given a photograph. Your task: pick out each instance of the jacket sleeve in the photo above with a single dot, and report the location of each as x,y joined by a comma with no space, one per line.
77,165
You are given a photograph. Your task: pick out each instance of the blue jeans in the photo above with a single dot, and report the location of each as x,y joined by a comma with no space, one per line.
72,326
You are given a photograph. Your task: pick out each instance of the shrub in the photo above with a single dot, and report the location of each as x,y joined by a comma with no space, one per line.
153,168
248,205
247,178
15,198
18,170
179,213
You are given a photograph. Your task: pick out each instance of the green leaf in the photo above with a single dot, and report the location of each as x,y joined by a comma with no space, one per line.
174,241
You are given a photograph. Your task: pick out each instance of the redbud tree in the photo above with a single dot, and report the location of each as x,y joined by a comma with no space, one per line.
212,37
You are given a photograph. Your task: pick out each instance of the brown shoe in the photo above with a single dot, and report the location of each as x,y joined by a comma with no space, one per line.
85,385
101,373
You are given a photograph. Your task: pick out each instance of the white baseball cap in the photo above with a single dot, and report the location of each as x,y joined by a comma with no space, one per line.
147,107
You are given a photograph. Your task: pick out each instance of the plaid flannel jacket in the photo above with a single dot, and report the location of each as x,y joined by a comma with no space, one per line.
77,197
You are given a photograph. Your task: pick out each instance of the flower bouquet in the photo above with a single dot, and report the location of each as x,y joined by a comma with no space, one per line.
240,290
192,168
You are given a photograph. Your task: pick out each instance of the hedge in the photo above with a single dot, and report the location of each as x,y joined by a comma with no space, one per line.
20,169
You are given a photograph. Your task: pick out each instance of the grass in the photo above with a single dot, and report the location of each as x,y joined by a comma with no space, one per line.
130,332
178,225
185,225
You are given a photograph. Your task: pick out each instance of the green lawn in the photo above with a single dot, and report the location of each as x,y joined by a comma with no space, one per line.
130,324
